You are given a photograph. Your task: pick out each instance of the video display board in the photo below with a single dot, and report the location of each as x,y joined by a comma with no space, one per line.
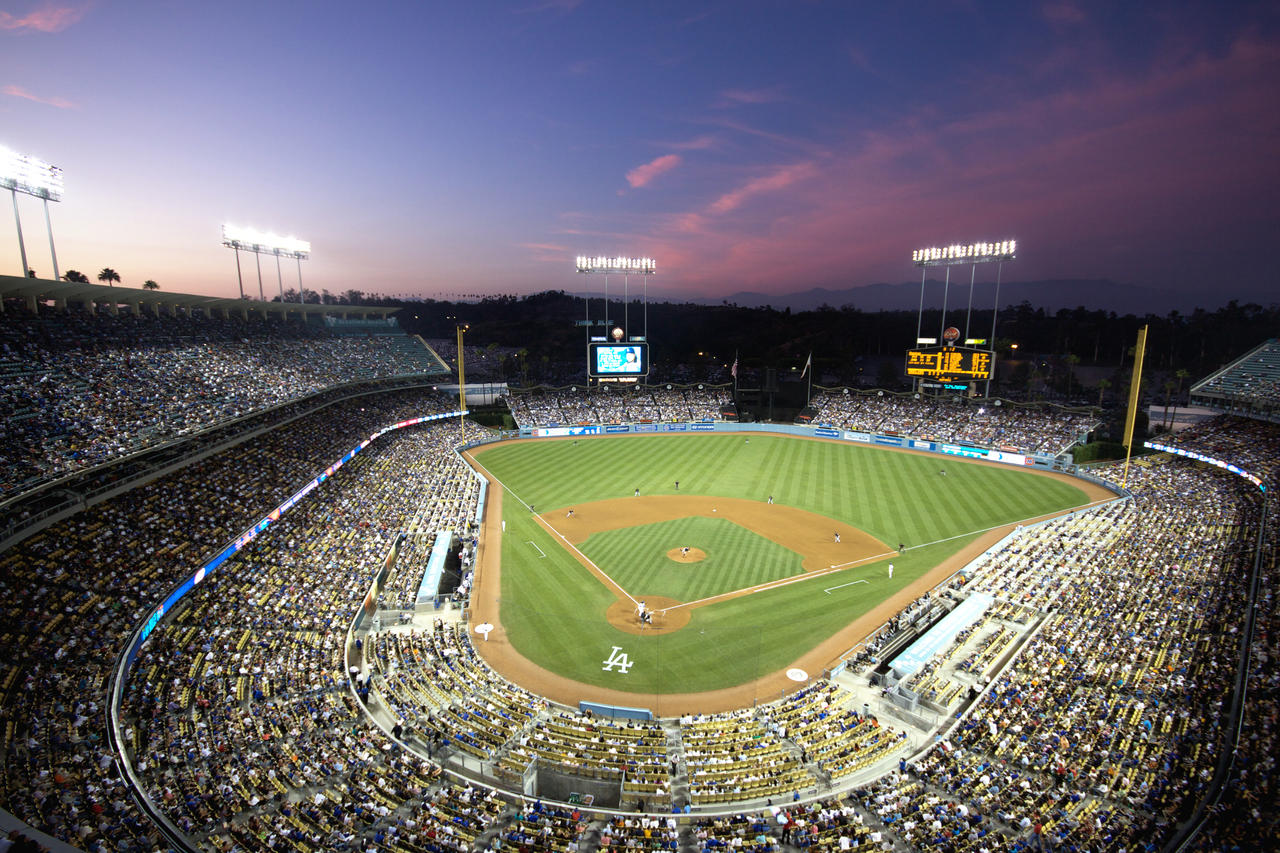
614,360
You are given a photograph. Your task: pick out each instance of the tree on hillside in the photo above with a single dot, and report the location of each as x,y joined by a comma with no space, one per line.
108,275
76,276
1182,374
150,284
1072,360
1103,385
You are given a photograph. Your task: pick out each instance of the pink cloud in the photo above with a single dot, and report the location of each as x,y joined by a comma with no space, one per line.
1063,12
19,92
736,97
547,252
779,179
1124,164
45,18
858,57
641,175
698,143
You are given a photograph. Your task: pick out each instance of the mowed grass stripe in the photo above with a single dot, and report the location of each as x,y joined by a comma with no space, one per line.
636,557
554,608
746,638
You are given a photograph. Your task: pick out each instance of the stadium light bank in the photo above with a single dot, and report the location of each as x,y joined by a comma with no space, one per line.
22,173
626,267
963,253
266,243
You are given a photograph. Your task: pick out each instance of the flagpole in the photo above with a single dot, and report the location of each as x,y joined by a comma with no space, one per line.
808,368
735,377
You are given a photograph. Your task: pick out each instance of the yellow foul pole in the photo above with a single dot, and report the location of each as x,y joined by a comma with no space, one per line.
462,387
1134,395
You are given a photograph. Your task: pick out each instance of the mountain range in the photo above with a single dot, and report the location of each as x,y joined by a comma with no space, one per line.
1049,294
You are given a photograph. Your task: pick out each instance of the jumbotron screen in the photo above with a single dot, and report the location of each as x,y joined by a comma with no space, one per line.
609,360
950,364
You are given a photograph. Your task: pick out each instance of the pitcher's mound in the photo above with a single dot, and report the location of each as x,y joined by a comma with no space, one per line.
687,555
622,615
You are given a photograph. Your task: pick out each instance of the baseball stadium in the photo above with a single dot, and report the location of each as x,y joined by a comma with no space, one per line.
342,614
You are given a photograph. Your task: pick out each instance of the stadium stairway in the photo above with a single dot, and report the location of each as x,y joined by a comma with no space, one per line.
680,772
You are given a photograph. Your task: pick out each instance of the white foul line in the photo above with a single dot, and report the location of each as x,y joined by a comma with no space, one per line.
842,586
547,525
539,550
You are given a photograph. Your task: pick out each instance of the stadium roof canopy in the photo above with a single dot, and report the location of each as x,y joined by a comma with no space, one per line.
36,290
1250,385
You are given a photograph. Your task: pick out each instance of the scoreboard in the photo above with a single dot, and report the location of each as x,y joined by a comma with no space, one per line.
950,364
618,361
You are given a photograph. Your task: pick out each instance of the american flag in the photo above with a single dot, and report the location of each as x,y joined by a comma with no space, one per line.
733,371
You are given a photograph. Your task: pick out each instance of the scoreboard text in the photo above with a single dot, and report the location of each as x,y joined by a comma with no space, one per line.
950,364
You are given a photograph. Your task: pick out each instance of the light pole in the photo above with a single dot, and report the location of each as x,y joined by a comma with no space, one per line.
22,173
260,243
959,254
627,267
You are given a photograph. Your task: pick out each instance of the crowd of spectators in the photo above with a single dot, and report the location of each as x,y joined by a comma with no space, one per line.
1106,726
1253,380
1251,445
1245,817
1033,429
78,389
632,404
71,593
261,701
491,363
1102,731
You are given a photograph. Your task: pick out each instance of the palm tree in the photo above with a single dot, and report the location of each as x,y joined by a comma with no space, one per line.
150,284
108,275
76,276
1182,374
1169,385
1103,385
523,355
1072,360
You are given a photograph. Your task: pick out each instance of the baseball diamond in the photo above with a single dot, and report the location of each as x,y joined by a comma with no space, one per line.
720,632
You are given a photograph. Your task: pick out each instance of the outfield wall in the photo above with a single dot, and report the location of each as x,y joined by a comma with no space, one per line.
903,442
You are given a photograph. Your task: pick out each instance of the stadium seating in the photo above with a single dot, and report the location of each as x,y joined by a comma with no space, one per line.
79,389
1251,381
1102,668
637,404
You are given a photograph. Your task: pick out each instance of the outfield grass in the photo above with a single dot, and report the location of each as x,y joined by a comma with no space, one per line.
636,557
554,609
894,496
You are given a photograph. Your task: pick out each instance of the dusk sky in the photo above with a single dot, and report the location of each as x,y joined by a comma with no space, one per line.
437,149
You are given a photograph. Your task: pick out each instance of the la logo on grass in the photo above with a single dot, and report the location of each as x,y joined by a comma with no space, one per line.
618,658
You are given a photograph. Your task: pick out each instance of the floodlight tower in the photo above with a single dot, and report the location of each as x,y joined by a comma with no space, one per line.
956,254
22,173
589,265
265,243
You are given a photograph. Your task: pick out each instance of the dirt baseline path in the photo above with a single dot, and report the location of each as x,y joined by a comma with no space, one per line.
508,662
811,535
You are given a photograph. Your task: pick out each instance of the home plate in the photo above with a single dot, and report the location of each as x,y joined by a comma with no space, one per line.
797,675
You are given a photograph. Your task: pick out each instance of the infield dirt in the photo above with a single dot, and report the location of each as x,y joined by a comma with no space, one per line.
811,538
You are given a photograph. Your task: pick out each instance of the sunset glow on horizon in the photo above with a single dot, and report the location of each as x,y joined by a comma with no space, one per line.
481,148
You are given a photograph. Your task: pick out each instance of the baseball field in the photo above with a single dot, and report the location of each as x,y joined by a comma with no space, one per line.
750,554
